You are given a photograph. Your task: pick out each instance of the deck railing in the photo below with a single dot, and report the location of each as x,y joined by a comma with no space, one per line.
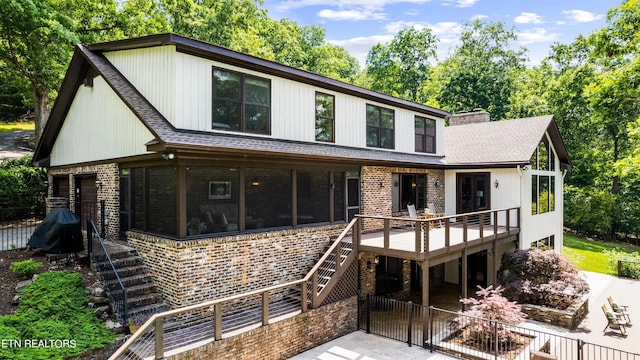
171,332
484,226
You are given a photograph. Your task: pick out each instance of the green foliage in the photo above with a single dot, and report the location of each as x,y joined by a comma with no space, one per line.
481,72
541,278
52,308
400,67
588,210
630,262
21,185
589,255
25,268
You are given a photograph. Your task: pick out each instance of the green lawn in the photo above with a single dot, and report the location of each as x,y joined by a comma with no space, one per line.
588,255
27,125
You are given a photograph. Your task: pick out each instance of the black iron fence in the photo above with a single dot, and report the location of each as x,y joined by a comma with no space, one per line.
469,337
107,271
17,225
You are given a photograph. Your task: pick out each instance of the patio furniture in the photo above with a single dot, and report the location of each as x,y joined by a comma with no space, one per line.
620,309
614,322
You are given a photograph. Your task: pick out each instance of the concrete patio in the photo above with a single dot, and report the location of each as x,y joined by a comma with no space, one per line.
362,346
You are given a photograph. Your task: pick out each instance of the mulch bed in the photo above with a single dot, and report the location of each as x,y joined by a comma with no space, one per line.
510,350
9,279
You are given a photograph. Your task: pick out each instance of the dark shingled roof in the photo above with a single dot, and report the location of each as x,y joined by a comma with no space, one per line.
506,143
503,143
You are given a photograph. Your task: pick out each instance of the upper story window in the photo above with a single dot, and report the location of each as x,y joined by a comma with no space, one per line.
543,178
380,127
241,102
325,117
543,158
425,134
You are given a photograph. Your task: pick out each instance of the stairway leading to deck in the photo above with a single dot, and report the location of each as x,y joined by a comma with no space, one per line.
197,325
143,298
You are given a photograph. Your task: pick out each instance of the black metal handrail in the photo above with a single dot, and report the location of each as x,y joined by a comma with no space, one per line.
116,290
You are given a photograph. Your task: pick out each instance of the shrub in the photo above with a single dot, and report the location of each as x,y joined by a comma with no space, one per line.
53,309
25,268
21,185
491,305
630,267
541,278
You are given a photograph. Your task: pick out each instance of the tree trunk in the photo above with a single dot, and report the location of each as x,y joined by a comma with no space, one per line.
615,189
42,109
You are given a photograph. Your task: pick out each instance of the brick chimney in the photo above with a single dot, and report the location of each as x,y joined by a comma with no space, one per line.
469,117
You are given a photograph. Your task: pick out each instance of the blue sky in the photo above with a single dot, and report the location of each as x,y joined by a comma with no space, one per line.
357,25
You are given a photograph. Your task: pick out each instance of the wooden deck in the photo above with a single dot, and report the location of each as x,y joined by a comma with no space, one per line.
446,238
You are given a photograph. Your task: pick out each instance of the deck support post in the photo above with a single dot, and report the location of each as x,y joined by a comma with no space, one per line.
463,276
494,263
425,301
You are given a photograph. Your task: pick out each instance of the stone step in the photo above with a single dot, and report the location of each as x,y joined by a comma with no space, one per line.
143,300
141,289
128,281
127,271
121,262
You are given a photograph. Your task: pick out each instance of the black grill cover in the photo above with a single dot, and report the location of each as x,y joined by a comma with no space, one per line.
59,232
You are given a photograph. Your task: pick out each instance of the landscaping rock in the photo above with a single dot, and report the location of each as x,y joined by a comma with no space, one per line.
22,284
98,301
100,311
15,300
114,327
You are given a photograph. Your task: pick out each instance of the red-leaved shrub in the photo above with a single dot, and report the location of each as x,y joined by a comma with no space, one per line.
539,277
490,305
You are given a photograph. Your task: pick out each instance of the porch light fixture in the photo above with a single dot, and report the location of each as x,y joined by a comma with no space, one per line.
438,183
496,183
169,155
381,183
255,182
98,184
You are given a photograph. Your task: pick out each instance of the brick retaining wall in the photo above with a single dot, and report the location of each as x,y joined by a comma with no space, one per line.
285,338
192,271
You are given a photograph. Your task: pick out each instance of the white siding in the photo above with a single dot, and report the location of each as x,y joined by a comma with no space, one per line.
153,72
514,190
506,195
292,107
90,133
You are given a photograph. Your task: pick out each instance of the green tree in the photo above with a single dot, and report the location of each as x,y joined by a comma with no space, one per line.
35,41
481,71
400,67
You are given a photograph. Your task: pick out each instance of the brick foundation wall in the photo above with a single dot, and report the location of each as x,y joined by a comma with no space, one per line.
192,271
285,338
109,191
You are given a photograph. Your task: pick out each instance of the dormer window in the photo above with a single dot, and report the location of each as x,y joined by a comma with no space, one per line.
241,102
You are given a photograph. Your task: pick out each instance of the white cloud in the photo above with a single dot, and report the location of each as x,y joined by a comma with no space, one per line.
536,35
459,3
351,15
528,18
581,16
343,4
479,17
359,47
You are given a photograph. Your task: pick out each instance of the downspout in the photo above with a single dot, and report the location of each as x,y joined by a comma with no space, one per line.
519,171
564,173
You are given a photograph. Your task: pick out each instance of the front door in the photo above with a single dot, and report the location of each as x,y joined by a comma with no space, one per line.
353,195
473,192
